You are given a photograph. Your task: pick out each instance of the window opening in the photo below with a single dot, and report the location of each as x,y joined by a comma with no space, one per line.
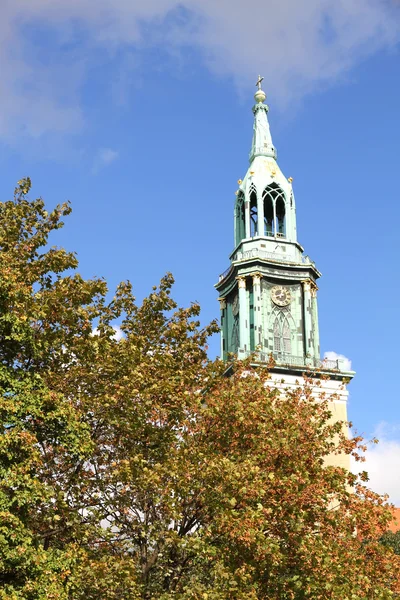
282,335
240,219
274,211
253,211
268,215
280,215
277,335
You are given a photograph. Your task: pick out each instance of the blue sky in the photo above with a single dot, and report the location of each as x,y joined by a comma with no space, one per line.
140,114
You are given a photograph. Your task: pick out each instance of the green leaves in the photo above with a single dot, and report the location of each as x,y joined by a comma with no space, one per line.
391,540
134,468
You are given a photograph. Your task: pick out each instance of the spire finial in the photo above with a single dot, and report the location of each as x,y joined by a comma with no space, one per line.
262,143
259,96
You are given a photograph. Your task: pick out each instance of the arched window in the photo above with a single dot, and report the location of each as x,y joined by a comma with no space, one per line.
277,335
268,214
280,215
274,211
240,224
282,335
253,211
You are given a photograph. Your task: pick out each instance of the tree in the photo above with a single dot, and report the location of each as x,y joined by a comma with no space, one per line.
42,315
391,539
134,468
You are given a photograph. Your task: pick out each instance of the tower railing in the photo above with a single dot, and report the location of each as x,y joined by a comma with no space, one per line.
288,360
304,361
225,273
257,253
278,234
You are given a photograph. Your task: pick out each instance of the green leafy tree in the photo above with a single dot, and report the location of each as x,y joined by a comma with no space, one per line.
392,540
43,313
132,468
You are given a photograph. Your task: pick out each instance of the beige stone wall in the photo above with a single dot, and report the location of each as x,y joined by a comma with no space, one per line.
338,405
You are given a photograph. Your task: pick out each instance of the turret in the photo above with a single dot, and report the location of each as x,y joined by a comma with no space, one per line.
268,295
265,206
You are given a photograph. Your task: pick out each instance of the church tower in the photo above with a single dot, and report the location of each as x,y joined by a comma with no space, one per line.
268,295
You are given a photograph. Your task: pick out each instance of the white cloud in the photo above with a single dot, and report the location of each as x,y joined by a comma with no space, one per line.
117,335
383,463
297,46
345,362
103,158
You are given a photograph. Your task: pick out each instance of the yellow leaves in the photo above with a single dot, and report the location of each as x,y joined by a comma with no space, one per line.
174,480
23,186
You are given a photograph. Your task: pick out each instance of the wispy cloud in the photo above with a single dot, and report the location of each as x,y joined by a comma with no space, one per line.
383,462
298,46
103,158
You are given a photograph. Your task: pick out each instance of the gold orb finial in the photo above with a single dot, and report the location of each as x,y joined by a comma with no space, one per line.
259,96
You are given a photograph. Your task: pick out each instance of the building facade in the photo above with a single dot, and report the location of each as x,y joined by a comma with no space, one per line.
268,295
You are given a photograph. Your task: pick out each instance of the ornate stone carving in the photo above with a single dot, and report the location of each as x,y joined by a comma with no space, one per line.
257,278
241,281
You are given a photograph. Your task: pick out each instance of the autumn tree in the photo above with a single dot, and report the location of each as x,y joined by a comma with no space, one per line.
43,313
134,468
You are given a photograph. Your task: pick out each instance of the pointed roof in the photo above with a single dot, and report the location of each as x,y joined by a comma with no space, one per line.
262,142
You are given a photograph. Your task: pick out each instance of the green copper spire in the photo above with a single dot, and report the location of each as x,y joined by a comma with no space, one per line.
262,142
265,206
268,296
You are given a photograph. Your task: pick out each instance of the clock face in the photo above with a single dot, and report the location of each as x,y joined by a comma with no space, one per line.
280,295
235,306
